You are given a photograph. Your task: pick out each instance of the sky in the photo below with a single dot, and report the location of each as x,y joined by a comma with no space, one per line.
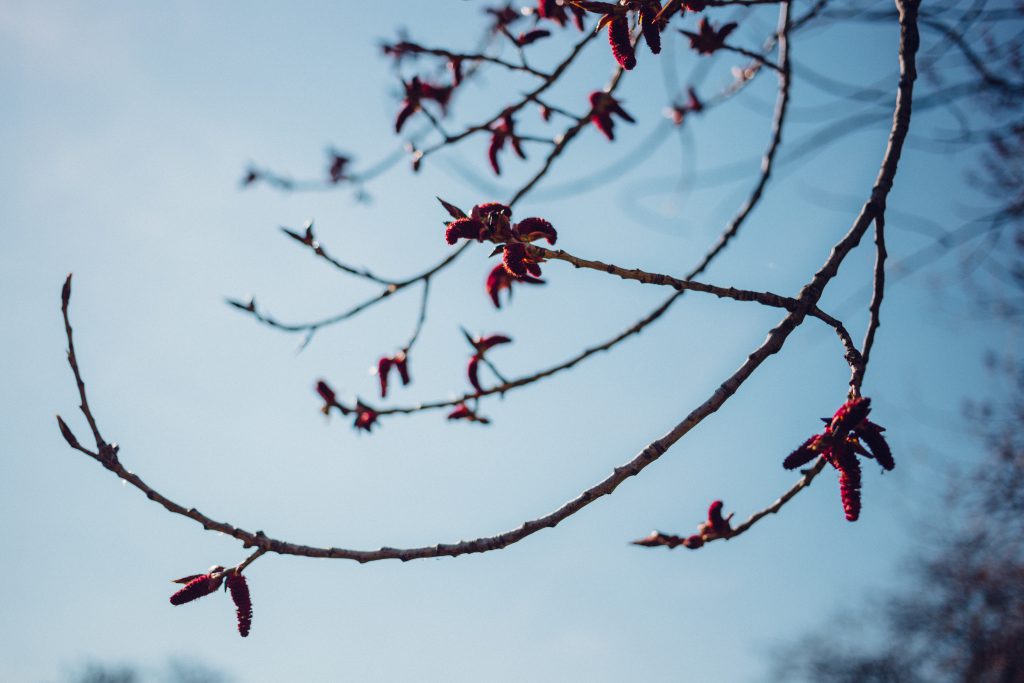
127,129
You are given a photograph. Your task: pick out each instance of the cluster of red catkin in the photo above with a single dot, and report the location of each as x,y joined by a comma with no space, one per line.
200,585
848,434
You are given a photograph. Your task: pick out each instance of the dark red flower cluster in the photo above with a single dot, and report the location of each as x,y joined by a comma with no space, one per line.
708,39
602,106
239,589
400,362
502,132
464,412
554,10
693,105
617,20
845,437
493,222
330,398
416,92
199,585
518,263
366,417
500,278
616,17
481,345
716,526
489,221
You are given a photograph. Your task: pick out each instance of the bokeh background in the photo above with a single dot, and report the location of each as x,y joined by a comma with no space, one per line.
127,129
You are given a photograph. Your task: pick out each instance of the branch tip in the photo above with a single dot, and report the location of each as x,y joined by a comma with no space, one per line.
66,432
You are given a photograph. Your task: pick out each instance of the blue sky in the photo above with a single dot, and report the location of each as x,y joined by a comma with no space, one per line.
128,126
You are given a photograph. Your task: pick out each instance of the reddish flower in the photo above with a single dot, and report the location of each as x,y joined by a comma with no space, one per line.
464,229
198,585
715,527
336,168
400,362
619,39
402,365
533,229
555,11
502,132
708,39
545,113
481,345
383,368
366,417
239,589
518,263
492,221
499,278
693,542
650,26
602,106
533,36
489,221
416,91
496,219
845,437
330,399
488,211
463,412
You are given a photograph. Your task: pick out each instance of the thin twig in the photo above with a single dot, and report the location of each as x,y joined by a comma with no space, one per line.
875,308
317,248
422,316
73,361
799,486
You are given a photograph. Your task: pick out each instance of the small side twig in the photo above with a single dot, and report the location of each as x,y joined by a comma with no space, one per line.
875,308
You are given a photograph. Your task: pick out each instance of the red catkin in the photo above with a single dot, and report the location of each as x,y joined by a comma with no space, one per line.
618,38
201,585
239,589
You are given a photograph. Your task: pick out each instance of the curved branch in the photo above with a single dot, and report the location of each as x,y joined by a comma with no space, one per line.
809,296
